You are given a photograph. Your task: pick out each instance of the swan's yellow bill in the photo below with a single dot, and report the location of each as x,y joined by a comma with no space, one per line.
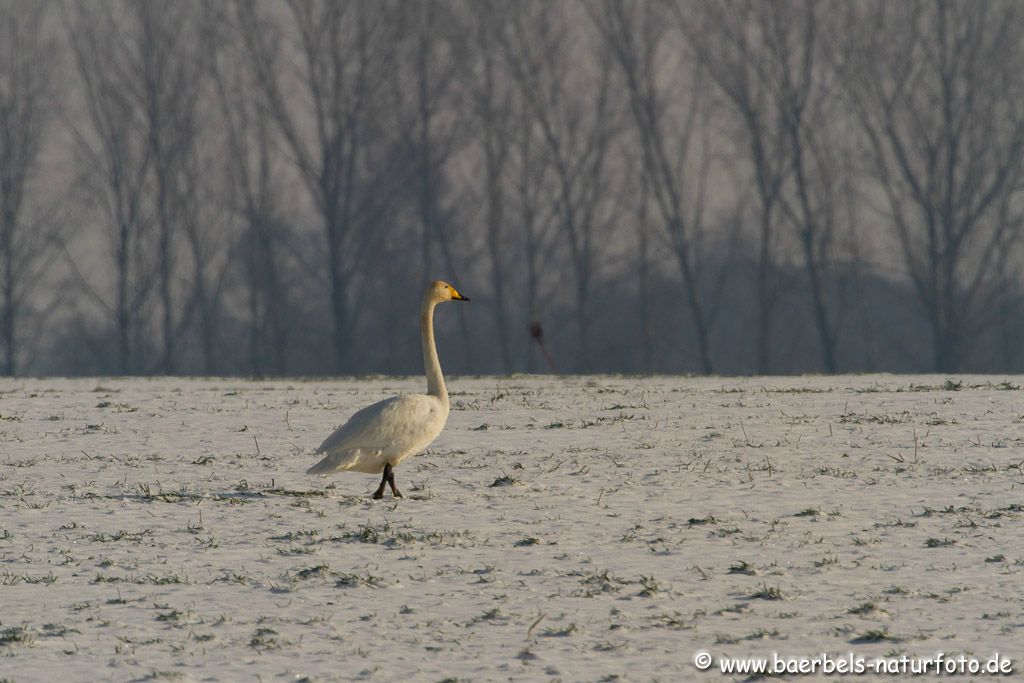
456,296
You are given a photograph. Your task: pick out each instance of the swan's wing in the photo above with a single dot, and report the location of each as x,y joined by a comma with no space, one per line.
361,429
393,425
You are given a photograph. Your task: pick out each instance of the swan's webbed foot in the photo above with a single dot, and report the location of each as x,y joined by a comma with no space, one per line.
379,493
387,480
389,473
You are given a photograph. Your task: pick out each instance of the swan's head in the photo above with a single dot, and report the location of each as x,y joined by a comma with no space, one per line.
439,291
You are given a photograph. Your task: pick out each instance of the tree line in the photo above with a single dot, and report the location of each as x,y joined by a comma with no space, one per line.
263,188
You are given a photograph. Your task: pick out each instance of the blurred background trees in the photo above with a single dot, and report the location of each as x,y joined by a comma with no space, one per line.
262,187
30,220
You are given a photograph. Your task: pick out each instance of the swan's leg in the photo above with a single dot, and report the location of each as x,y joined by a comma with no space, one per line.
379,493
389,473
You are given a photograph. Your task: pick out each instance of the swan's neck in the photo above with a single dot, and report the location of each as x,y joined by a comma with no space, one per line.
431,364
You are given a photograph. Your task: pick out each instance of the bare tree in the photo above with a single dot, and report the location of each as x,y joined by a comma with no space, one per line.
766,58
432,68
937,91
253,189
576,125
28,239
643,269
142,74
797,36
341,50
437,55
165,78
118,157
491,104
676,164
532,216
206,225
729,40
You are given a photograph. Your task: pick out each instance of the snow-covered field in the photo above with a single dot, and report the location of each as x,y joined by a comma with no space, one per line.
581,528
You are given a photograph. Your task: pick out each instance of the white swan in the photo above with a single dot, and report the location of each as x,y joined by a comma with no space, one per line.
380,436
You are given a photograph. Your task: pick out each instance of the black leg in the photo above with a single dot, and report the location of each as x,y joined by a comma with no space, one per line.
379,493
389,472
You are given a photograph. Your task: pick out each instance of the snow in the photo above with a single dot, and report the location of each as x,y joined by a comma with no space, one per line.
581,528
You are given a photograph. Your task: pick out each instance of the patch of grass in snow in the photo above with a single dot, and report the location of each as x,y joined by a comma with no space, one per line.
308,549
695,521
796,390
346,580
384,534
28,462
296,535
123,534
10,579
596,583
155,675
862,609
150,579
839,473
826,561
898,523
882,418
57,630
318,571
272,489
673,621
765,593
742,567
650,586
231,577
860,542
208,543
997,615
939,542
875,635
16,635
505,480
642,405
559,632
130,640
173,617
493,615
762,634
265,639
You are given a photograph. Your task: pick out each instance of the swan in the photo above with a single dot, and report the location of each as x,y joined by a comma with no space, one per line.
379,437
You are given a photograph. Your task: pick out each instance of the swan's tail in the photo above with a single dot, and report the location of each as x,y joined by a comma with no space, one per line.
338,461
332,463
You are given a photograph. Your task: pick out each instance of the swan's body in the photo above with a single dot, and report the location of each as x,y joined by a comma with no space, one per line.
377,438
386,432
